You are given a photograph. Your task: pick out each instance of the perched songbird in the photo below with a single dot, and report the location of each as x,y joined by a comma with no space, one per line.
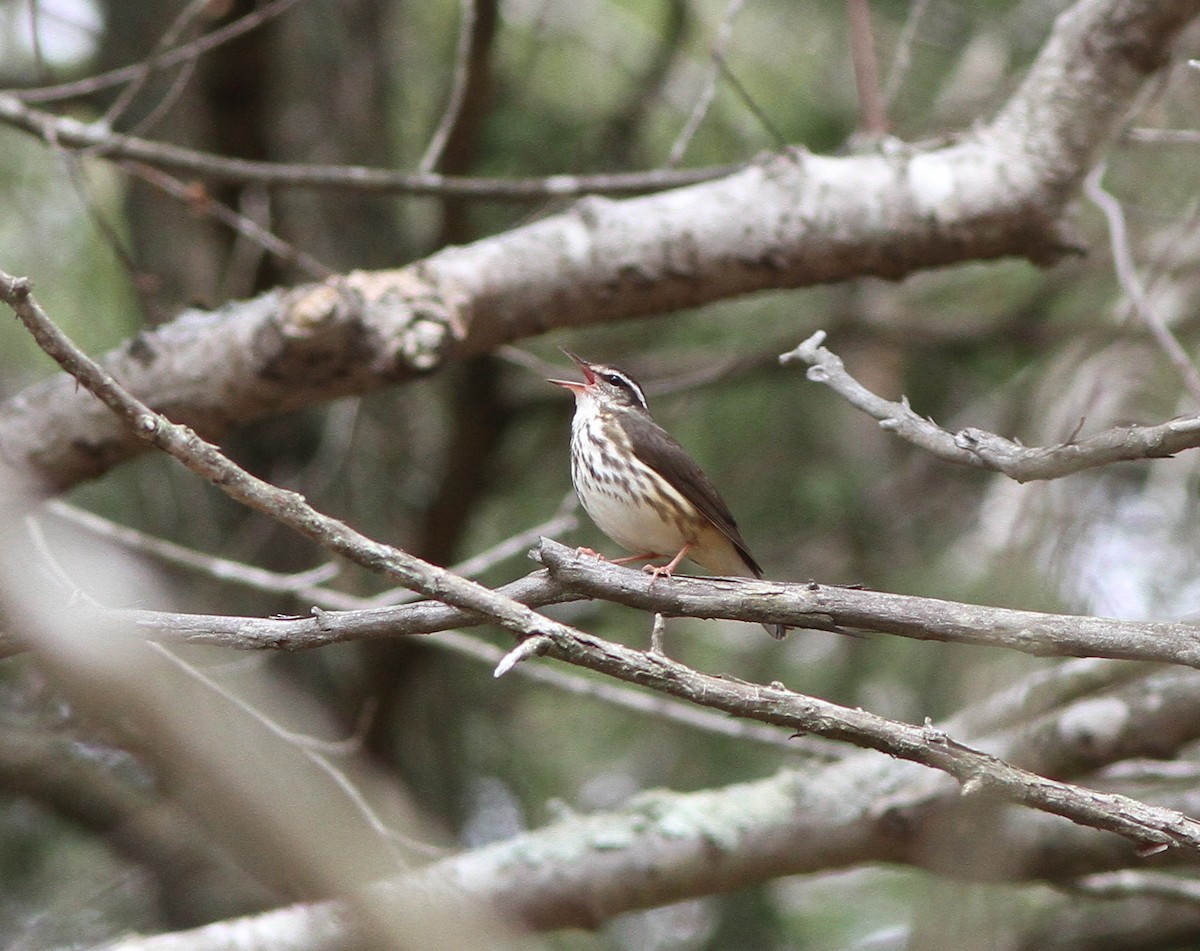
640,486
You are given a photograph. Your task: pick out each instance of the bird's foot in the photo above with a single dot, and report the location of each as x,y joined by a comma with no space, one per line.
665,571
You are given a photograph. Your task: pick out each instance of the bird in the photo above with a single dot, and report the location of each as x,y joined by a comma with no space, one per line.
640,486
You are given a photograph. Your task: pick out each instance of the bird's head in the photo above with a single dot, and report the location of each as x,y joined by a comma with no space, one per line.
606,385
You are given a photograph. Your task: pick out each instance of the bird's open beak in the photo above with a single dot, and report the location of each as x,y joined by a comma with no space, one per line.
574,385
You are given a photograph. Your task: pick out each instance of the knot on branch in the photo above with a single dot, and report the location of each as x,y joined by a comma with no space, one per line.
391,324
413,321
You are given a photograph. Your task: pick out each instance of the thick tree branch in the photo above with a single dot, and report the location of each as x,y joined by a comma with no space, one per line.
786,221
664,847
984,450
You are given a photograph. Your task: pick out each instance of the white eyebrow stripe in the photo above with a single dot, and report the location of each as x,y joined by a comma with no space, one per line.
631,383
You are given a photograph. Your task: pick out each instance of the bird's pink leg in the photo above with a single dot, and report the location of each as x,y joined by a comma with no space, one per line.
669,568
632,558
616,561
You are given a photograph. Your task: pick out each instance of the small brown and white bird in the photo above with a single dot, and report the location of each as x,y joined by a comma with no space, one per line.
641,488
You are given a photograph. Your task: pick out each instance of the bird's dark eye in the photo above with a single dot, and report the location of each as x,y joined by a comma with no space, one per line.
625,384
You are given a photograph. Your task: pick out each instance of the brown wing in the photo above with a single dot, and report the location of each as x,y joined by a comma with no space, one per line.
662,452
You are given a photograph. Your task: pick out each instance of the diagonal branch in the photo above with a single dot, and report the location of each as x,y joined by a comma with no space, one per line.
288,508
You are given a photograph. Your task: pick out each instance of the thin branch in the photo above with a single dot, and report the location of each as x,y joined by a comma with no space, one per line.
170,37
1164,136
301,583
756,110
984,450
316,753
564,520
1131,284
1130,884
535,646
872,114
171,57
709,89
200,202
323,627
902,58
99,141
458,88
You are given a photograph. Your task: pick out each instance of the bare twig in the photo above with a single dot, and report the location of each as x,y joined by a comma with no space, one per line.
709,89
1129,884
564,520
171,57
779,139
530,647
316,752
170,36
656,634
1131,284
902,57
872,114
984,450
200,202
99,141
458,88
302,583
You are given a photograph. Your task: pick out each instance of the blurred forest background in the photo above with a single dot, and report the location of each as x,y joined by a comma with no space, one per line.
450,465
